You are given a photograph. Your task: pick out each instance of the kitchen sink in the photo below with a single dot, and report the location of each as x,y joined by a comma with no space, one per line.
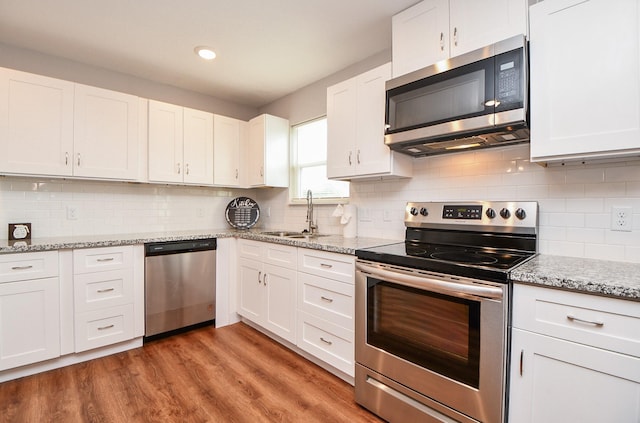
297,235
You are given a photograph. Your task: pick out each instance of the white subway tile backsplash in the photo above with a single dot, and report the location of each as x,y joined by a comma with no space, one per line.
109,207
574,200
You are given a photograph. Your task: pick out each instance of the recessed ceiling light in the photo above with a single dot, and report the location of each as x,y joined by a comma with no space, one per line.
205,52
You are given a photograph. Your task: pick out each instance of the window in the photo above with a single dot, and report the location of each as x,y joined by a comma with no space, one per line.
309,164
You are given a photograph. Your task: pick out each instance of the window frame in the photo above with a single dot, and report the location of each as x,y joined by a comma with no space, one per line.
294,170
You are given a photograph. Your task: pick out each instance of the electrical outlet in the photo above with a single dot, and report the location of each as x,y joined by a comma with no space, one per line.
72,213
621,218
386,216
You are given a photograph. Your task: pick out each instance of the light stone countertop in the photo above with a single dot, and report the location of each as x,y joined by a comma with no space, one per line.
331,243
601,277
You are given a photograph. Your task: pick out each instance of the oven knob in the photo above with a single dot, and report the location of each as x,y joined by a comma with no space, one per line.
413,211
424,211
521,214
491,213
505,213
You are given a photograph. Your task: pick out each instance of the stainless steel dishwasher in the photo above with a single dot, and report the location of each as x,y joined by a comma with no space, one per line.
180,286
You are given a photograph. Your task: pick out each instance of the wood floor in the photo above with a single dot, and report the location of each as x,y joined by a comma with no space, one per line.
231,374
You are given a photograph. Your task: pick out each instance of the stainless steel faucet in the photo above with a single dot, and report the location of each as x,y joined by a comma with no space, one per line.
313,227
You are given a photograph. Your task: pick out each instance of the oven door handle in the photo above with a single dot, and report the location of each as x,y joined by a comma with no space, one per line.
453,289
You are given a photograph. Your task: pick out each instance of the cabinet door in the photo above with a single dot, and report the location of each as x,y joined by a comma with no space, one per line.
475,24
420,36
250,293
256,153
563,382
29,322
198,147
36,124
341,128
165,142
276,153
584,106
105,134
280,285
372,155
226,151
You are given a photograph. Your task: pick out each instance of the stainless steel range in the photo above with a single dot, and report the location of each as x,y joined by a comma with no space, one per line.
432,312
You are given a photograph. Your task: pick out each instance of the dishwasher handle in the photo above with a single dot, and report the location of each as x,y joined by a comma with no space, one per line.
178,247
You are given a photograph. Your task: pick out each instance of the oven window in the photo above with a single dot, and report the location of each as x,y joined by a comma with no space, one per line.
437,332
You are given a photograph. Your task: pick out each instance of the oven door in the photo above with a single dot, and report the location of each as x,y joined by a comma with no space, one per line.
431,343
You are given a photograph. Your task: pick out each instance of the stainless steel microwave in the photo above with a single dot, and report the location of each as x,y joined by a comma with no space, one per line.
475,100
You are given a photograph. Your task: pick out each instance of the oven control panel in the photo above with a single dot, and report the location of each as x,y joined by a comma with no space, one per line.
462,212
484,215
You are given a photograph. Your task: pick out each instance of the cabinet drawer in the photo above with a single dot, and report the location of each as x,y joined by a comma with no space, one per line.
25,266
93,291
250,249
103,327
330,343
102,259
607,323
336,266
266,252
326,298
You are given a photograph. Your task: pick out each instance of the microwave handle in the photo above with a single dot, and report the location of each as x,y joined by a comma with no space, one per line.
424,282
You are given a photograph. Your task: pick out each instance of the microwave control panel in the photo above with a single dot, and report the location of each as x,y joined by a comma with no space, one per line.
509,74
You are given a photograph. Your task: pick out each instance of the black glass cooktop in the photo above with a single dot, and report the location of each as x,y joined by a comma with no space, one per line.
474,262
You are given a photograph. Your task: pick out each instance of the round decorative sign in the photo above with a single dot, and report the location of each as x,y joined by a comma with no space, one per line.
242,213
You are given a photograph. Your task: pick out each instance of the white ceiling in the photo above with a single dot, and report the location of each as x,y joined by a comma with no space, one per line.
266,48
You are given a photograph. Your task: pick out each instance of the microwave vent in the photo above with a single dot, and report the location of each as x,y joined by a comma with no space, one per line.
495,139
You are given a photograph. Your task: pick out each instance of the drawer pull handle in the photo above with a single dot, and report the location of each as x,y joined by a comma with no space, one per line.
105,327
102,260
329,300
259,277
326,266
22,267
589,322
325,341
100,291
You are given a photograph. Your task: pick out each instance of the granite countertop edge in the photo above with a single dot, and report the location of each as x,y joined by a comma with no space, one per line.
590,276
330,243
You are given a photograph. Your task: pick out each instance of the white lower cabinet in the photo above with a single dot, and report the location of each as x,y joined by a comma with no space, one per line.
326,307
267,286
104,290
575,358
29,308
303,296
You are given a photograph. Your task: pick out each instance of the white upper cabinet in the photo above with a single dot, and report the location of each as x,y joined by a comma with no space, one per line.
355,129
435,30
180,144
420,36
105,134
36,124
227,143
54,127
268,152
585,79
198,147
